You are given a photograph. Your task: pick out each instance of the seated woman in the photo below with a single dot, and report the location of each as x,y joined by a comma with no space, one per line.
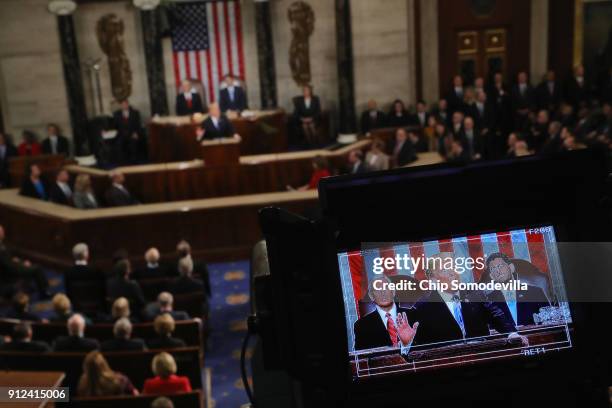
307,114
376,159
30,145
99,380
62,308
398,116
33,185
83,196
164,327
165,381
320,169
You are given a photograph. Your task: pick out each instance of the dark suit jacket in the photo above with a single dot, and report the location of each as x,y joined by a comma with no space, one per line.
32,346
370,331
116,197
165,343
398,121
455,101
160,271
196,105
368,123
10,151
56,195
524,101
123,345
546,100
184,285
239,103
406,155
80,273
484,120
417,122
126,128
301,111
473,146
63,146
75,343
528,302
118,287
28,189
437,324
576,94
224,128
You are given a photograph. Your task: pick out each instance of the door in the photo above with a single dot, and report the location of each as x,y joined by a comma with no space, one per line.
481,53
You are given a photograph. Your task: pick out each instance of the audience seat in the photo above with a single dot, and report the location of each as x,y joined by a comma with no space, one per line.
135,364
152,287
192,303
184,400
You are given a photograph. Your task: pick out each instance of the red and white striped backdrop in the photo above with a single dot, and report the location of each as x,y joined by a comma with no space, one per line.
224,54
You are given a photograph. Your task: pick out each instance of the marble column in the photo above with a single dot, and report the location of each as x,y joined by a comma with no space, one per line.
539,40
346,78
430,64
154,60
74,81
265,55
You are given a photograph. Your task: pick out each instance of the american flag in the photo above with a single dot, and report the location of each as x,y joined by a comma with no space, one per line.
207,43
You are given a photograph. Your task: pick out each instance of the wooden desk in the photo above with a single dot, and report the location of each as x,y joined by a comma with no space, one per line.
221,152
47,379
174,139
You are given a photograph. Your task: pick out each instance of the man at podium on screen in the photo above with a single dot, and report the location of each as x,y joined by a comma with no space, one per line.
188,101
216,125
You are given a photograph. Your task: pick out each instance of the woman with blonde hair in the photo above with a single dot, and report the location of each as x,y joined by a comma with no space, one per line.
376,159
165,381
99,380
83,196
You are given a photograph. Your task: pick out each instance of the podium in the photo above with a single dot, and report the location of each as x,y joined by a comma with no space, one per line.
221,152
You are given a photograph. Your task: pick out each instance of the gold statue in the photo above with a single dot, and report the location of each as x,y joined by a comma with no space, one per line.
109,31
302,19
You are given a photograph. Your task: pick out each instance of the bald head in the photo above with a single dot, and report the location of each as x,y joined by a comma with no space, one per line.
152,256
76,325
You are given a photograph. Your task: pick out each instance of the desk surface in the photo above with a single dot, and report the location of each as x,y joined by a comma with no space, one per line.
47,379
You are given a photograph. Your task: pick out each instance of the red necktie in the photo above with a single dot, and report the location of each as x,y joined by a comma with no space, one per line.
189,104
391,329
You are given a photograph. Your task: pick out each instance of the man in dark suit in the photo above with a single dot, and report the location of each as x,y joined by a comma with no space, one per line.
455,95
188,101
388,325
372,118
121,286
81,271
21,340
153,268
442,112
523,101
216,125
55,143
472,139
520,304
403,149
577,90
355,162
452,315
122,331
130,132
186,283
60,191
117,195
75,341
183,250
421,115
549,92
165,304
164,326
232,97
7,150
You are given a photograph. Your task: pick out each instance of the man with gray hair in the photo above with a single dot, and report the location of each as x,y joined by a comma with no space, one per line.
81,271
117,195
153,268
200,270
76,340
122,331
187,284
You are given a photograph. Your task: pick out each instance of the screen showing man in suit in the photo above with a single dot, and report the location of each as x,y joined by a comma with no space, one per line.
429,305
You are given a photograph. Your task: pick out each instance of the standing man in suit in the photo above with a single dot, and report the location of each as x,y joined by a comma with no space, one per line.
389,324
403,149
577,89
152,268
122,286
372,118
523,101
455,95
232,97
7,150
76,340
452,315
60,191
130,132
307,114
117,195
188,101
548,92
81,270
421,115
55,143
472,139
520,304
216,125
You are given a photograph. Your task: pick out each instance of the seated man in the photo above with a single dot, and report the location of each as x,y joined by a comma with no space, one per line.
13,268
60,191
123,341
388,324
55,143
20,308
183,249
520,304
164,327
403,149
152,269
21,340
355,163
33,185
165,305
76,340
117,195
185,283
232,97
122,286
188,101
307,114
216,125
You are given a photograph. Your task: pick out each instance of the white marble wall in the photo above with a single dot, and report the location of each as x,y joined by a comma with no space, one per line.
32,91
85,20
383,49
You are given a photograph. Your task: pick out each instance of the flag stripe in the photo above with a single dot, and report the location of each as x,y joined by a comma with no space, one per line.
228,39
238,13
177,73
